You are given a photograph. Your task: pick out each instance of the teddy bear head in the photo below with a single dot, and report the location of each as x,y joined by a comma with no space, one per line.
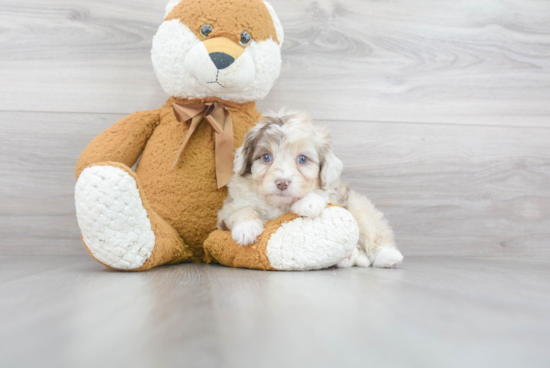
230,49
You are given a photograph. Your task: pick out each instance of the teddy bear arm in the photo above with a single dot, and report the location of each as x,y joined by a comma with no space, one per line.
123,142
290,243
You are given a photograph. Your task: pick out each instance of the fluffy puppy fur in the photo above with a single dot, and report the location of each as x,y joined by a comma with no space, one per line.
287,164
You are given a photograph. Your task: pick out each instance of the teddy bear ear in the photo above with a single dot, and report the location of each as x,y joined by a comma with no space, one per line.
278,26
170,6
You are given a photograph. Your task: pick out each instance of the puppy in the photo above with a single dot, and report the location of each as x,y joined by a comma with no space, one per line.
287,164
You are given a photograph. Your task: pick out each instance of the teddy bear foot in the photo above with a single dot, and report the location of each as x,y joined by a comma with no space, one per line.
118,227
291,243
314,243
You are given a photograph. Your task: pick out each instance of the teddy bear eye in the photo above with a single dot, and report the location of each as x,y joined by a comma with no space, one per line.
302,160
206,30
246,38
267,158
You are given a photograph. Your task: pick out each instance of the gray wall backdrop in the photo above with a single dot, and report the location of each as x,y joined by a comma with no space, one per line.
440,110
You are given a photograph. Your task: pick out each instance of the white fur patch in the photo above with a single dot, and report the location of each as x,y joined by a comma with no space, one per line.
314,243
362,260
245,233
111,216
310,206
387,257
173,43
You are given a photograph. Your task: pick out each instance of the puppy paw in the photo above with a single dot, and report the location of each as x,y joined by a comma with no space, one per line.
388,258
362,259
350,261
346,263
310,206
246,233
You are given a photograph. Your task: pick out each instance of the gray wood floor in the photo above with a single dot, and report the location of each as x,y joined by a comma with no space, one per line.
69,311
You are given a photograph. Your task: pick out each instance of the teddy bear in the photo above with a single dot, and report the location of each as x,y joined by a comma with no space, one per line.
215,59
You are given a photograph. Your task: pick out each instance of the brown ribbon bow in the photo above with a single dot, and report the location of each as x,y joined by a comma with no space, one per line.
220,120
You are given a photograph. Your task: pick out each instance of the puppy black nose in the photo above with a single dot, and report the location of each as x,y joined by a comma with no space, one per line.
282,184
221,60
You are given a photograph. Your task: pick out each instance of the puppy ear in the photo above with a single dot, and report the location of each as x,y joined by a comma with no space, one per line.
331,166
245,154
331,169
240,162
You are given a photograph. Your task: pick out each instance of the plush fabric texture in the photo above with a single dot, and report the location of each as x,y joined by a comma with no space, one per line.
186,197
181,55
277,23
114,223
278,26
170,6
290,243
221,248
228,18
123,142
314,243
180,61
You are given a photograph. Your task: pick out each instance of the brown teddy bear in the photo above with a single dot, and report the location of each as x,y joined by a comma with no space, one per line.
216,59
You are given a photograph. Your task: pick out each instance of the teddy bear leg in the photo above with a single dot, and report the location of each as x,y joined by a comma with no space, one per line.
290,243
119,228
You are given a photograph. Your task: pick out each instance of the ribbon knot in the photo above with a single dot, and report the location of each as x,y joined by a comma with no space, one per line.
220,120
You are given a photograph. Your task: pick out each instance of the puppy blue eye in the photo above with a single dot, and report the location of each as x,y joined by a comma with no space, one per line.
266,158
302,160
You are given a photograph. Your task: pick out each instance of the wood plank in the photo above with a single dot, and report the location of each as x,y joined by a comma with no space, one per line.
446,189
461,62
433,312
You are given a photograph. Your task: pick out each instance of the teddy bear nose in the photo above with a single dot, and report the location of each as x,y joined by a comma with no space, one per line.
221,60
282,184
